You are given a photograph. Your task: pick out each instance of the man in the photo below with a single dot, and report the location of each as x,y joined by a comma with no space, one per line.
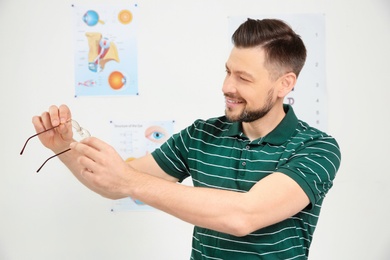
260,175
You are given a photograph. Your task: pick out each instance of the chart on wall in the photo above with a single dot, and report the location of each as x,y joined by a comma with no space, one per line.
133,139
308,98
105,50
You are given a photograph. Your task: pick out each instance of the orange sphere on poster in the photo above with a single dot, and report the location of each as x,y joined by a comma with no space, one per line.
116,80
125,16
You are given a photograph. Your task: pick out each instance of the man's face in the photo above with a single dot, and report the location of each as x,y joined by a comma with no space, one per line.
248,88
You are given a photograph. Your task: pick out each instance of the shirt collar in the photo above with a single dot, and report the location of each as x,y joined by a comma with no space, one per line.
277,136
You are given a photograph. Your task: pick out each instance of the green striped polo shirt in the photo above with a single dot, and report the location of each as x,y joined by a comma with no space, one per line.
216,154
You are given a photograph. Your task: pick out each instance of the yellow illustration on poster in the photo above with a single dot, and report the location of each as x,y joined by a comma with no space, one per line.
135,139
105,53
308,98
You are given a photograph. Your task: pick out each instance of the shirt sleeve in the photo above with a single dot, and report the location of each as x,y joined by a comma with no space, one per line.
314,167
172,156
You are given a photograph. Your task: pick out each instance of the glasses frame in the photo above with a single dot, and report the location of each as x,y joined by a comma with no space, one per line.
84,133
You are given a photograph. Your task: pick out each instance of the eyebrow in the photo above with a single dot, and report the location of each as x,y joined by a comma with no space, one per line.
241,72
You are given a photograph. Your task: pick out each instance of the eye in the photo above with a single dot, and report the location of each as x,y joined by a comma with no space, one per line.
156,134
244,79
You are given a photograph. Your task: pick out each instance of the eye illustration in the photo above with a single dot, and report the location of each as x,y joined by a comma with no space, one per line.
156,134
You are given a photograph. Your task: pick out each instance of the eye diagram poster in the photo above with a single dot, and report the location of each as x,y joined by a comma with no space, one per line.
105,52
133,140
308,98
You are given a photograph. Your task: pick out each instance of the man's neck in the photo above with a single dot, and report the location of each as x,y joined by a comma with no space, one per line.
263,126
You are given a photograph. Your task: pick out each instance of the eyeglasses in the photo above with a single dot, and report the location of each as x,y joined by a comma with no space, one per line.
83,133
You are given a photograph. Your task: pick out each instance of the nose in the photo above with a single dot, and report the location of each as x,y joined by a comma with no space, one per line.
228,85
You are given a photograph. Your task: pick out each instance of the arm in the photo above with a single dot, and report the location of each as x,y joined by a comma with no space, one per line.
60,138
271,200
101,169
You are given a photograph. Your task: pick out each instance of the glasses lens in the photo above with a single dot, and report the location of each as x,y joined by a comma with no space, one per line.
84,133
81,132
76,125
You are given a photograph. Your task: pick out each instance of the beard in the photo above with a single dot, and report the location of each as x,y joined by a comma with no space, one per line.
248,116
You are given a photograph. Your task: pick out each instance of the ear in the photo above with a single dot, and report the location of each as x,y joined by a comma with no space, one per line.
286,84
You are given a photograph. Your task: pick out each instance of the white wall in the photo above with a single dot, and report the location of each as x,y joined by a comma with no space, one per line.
182,50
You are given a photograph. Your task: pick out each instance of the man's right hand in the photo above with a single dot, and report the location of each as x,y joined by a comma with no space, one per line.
60,137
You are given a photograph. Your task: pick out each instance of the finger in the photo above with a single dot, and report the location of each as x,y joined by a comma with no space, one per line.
89,166
38,124
46,120
96,143
64,114
86,151
86,173
54,115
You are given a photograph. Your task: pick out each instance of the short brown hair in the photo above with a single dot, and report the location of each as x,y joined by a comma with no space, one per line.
284,49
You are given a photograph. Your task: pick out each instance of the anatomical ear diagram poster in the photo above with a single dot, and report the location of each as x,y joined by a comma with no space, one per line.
105,55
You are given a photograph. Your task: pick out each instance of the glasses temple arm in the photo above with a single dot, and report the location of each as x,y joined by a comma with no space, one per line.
51,158
44,131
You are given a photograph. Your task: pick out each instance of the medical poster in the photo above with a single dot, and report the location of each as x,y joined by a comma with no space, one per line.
133,140
308,98
105,50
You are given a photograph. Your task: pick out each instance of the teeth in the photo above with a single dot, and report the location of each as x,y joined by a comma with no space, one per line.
233,101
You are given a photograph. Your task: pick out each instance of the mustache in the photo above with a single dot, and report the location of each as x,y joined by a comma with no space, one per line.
229,95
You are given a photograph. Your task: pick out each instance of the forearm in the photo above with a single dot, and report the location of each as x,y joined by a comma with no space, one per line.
214,209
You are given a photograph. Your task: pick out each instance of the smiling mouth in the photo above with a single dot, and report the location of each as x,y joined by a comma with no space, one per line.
232,101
